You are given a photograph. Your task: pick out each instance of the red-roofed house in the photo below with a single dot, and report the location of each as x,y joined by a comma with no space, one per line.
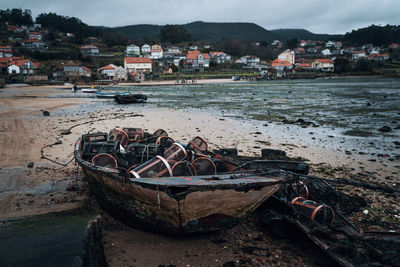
356,55
195,59
323,64
35,35
281,64
113,72
34,44
139,64
156,52
394,46
5,51
214,54
22,66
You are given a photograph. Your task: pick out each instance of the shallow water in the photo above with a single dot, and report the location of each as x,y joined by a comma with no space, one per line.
346,113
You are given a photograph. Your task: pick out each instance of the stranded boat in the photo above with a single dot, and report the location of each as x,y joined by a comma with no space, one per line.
130,98
152,182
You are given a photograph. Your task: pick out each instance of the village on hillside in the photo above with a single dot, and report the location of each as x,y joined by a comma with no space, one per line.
138,62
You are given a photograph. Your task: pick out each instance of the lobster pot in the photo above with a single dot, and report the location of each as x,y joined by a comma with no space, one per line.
105,160
89,149
198,144
204,166
313,211
119,135
175,152
94,137
134,134
160,132
220,165
165,141
142,152
156,167
183,168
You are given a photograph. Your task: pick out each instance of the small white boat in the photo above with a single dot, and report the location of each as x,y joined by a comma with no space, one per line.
89,90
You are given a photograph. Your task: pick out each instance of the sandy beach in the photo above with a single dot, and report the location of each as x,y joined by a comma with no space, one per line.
28,135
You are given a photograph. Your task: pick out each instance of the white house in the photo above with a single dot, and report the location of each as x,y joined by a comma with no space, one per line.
326,52
132,51
22,66
156,52
356,55
137,64
323,64
287,55
145,49
108,71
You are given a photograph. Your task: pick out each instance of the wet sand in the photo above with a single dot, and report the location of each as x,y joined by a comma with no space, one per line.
50,187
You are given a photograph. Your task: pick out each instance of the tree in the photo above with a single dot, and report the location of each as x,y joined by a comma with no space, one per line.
175,34
342,65
292,43
174,68
16,16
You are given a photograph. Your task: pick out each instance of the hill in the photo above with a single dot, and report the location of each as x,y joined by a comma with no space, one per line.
203,31
302,34
376,35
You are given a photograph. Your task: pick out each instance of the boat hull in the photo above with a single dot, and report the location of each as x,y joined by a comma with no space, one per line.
178,204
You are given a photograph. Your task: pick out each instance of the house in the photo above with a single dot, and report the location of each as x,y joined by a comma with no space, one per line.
132,51
299,51
34,44
89,50
222,58
394,46
330,44
72,69
326,52
281,65
287,55
323,64
22,66
35,36
356,55
137,64
145,49
378,57
304,66
113,72
195,59
338,45
5,51
249,61
156,52
312,50
173,50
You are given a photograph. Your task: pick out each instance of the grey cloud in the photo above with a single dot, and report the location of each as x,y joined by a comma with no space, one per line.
328,16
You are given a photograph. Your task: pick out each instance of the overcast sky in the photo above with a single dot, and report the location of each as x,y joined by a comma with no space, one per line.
318,16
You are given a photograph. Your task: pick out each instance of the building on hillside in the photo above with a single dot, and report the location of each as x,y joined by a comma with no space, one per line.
326,52
35,36
156,52
299,51
356,55
5,51
249,62
132,51
72,69
89,50
22,66
172,50
137,64
281,65
222,58
113,72
394,46
195,59
287,55
323,64
145,49
34,44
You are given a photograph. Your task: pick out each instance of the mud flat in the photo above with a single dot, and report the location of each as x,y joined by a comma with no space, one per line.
28,136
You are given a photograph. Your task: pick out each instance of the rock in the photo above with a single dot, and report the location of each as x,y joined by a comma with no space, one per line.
46,113
273,153
30,164
65,132
385,129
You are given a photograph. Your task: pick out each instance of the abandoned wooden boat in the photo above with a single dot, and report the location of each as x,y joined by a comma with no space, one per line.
172,203
130,99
